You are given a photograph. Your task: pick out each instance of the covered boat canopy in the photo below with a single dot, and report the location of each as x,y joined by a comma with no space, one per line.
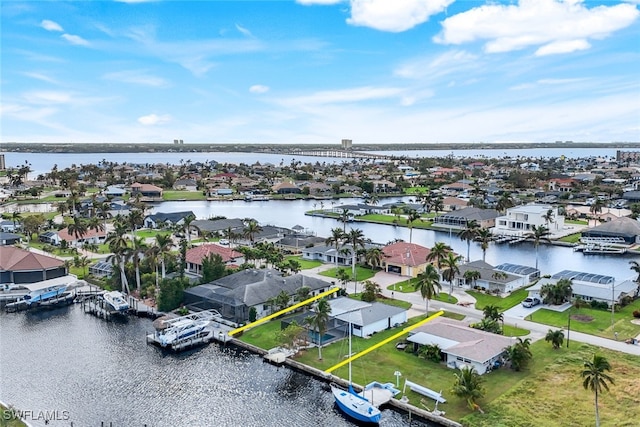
44,284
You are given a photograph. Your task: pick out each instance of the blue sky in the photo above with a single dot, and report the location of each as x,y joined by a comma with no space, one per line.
317,71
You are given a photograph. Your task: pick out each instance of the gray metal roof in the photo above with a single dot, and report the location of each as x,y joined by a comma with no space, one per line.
583,277
472,214
521,270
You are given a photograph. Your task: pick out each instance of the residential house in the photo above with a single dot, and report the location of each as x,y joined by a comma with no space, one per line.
90,236
233,296
328,254
405,259
588,286
520,220
461,345
101,269
529,274
9,226
145,190
7,239
114,191
185,184
50,238
286,187
218,226
22,266
490,278
626,230
453,204
196,255
458,219
166,219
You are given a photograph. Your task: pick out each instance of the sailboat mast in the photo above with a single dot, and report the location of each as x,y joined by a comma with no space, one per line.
349,355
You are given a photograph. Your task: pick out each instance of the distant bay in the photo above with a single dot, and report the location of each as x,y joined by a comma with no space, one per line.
43,162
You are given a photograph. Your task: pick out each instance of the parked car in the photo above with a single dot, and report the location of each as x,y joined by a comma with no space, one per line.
224,242
530,302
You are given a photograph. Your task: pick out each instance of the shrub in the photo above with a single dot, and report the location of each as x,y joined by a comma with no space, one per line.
636,314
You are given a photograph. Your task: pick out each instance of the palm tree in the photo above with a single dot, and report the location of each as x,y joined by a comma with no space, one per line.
468,385
411,218
519,354
15,217
635,266
596,208
118,244
548,217
135,220
355,237
164,245
472,276
469,233
538,233
450,269
484,236
427,283
438,253
83,262
344,217
556,338
251,229
319,319
595,378
504,202
336,239
139,248
374,257
78,228
493,312
186,223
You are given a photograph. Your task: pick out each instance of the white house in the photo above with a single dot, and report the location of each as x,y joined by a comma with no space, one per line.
520,220
366,318
461,345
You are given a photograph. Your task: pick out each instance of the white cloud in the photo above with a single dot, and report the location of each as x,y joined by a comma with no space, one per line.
243,30
556,26
259,89
40,76
396,15
48,97
154,119
73,39
438,66
139,77
358,94
51,25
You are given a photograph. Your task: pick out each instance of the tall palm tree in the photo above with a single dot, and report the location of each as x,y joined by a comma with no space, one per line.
164,245
468,385
427,283
251,229
450,269
344,217
103,212
469,233
135,220
548,217
484,236
15,217
118,244
319,319
438,252
336,239
595,378
519,354
411,218
78,228
472,276
504,202
635,266
355,237
138,248
186,223
538,233
94,223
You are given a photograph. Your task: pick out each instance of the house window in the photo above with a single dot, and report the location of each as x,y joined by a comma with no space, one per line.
357,327
265,307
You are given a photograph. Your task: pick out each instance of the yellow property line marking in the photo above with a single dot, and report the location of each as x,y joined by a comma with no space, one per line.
383,342
278,313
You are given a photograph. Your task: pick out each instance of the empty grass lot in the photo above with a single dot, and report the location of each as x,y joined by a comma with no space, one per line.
362,273
483,300
169,195
305,264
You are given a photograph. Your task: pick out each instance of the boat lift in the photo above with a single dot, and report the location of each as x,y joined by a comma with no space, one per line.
179,324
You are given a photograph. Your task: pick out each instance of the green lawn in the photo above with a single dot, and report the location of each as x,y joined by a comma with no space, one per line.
146,234
408,286
305,264
512,331
575,221
169,195
483,300
600,323
8,420
392,220
533,397
362,273
388,301
571,238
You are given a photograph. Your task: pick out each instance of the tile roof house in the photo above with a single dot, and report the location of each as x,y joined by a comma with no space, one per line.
234,295
405,259
461,345
21,266
145,190
197,254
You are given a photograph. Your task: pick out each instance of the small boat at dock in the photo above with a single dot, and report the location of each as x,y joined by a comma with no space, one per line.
116,301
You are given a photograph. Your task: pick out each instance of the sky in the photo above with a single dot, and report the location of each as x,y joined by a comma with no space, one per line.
318,71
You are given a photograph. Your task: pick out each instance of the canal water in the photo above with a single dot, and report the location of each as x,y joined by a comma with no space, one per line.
92,372
551,259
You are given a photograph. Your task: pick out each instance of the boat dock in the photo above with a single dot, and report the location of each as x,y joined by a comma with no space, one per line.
179,333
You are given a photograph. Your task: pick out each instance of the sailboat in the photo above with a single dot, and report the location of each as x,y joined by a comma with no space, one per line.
353,404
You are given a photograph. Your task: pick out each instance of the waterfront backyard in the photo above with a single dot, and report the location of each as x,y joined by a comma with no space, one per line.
538,395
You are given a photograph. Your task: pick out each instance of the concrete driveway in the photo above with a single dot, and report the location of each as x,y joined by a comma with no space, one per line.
520,312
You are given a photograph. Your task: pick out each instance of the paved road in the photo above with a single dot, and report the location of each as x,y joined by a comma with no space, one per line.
538,331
